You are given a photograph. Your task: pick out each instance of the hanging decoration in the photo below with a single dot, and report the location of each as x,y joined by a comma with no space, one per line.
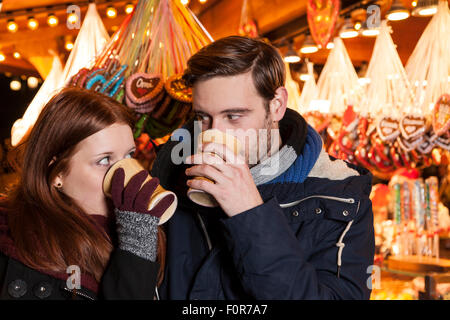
247,24
142,67
392,125
322,17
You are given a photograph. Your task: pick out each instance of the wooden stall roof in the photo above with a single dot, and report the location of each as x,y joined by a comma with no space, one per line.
275,18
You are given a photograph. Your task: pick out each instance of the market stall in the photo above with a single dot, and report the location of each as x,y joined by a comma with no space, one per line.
377,93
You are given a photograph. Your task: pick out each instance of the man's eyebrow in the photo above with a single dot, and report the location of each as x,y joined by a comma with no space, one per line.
200,112
226,111
236,110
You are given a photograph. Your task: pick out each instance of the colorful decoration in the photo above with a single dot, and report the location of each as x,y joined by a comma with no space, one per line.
247,24
322,17
441,115
144,91
142,67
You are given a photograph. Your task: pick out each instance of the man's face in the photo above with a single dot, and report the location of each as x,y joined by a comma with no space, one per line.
232,105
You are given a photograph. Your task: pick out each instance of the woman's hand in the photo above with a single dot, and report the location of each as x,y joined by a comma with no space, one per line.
134,198
137,226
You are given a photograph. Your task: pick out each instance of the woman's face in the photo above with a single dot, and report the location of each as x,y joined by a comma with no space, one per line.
92,158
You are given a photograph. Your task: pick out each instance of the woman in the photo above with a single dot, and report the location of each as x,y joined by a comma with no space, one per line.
60,238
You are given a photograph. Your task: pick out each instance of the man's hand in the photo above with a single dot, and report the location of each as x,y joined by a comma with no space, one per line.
234,188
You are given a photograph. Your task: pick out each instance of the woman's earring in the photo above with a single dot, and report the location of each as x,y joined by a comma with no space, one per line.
59,185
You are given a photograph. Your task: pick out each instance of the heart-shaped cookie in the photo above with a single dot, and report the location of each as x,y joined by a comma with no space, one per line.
142,90
412,126
441,115
443,141
317,120
177,88
388,129
427,145
409,144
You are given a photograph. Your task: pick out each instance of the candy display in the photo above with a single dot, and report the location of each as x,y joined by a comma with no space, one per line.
142,67
387,124
247,24
409,217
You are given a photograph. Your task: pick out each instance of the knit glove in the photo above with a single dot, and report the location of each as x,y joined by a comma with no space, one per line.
137,227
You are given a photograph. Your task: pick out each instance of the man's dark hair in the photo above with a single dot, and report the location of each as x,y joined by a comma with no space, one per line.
236,55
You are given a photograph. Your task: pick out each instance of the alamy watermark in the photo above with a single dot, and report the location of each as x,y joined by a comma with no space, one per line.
373,20
253,146
73,282
76,12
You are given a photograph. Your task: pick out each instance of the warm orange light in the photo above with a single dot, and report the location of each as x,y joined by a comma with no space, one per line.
33,24
72,18
52,20
129,8
12,26
69,45
111,12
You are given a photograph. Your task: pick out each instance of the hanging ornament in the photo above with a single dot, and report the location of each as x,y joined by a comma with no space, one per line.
247,24
322,17
441,115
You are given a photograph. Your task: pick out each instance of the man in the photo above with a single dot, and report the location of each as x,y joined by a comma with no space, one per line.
297,224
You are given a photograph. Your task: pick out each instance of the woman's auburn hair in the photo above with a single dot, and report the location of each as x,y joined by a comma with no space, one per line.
50,231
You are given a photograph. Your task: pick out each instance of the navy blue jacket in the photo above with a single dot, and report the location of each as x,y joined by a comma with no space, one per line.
309,240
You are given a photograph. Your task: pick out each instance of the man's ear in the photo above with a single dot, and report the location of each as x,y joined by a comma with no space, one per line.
278,104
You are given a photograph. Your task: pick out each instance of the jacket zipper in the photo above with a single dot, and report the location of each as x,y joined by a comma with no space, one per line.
291,204
79,293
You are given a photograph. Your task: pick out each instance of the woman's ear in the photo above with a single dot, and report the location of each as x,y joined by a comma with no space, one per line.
57,182
278,104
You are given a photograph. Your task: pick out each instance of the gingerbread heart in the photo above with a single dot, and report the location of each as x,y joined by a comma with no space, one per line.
443,141
412,126
409,144
426,146
176,87
142,89
388,129
317,120
441,115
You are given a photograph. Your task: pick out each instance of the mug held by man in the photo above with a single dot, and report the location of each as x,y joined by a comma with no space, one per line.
218,137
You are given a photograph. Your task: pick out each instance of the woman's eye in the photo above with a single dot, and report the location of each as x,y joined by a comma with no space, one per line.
130,155
104,161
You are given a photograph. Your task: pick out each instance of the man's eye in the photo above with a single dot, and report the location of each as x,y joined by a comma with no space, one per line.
104,161
233,116
202,117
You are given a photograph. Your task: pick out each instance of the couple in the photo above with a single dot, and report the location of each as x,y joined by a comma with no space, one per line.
304,231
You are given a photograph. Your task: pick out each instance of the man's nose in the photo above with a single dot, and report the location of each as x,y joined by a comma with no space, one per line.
217,124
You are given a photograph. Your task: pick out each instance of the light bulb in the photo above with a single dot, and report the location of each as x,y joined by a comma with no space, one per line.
32,23
12,26
111,12
52,20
